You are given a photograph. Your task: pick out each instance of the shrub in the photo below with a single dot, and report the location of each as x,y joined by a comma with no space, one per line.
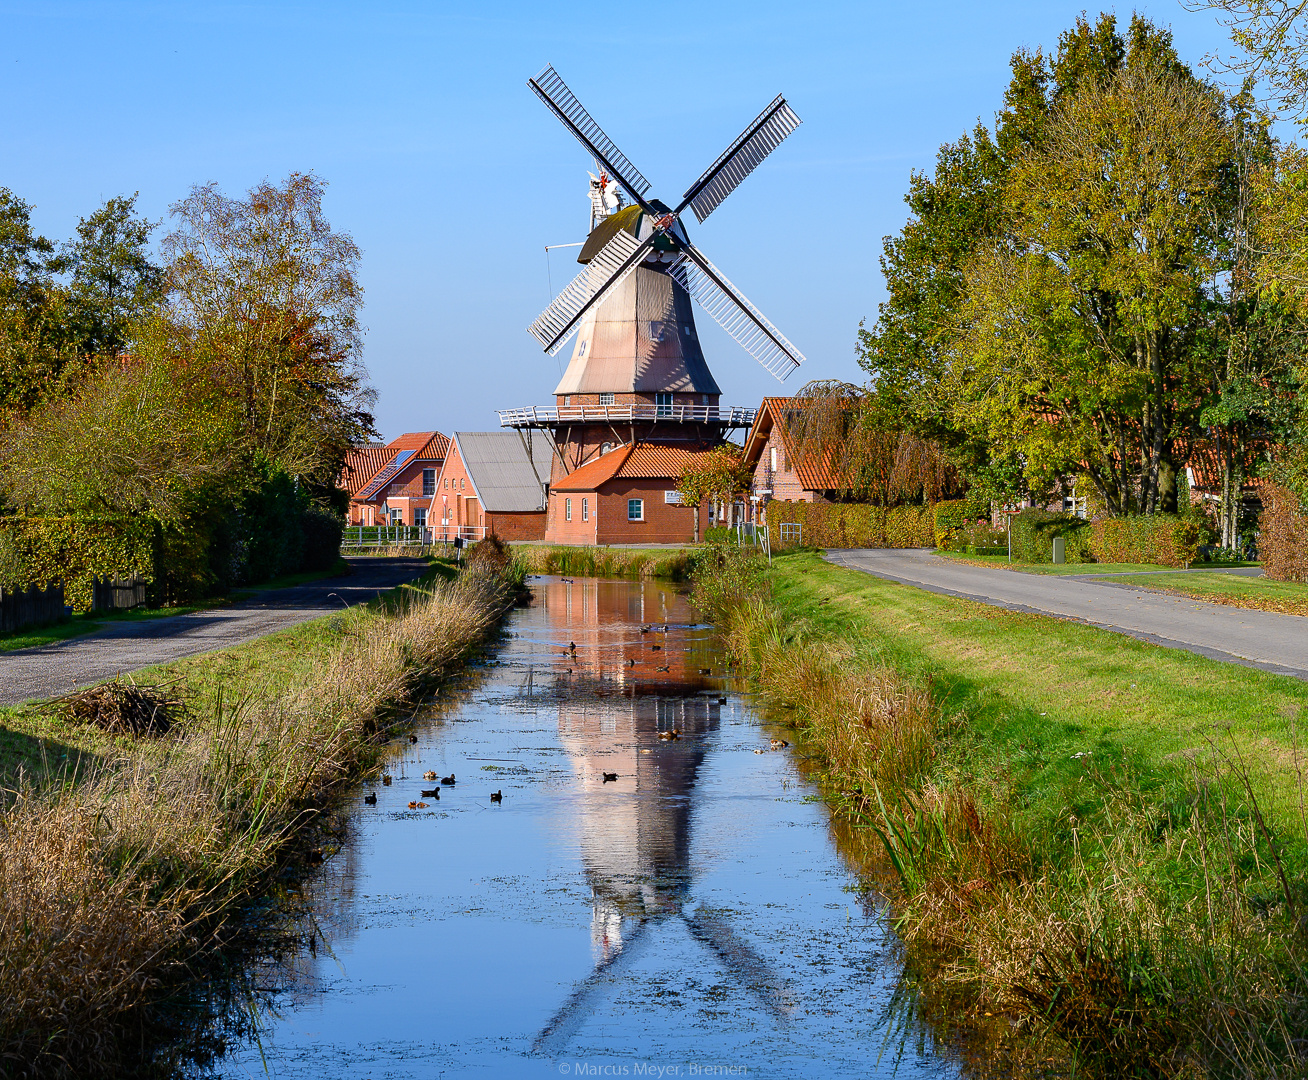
849,525
719,534
1034,531
45,551
1283,539
1165,539
323,530
952,516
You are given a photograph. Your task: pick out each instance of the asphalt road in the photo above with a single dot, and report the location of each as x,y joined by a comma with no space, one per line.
1262,639
43,672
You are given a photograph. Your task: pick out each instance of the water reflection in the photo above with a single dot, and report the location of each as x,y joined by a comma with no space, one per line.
650,889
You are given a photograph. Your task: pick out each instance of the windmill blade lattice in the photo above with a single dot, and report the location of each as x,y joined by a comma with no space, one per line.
608,269
740,159
730,308
552,90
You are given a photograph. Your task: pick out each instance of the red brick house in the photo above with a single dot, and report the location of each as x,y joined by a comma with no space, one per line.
776,475
626,496
393,484
493,482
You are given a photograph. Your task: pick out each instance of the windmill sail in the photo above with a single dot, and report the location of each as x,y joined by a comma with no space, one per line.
741,158
609,268
708,287
563,103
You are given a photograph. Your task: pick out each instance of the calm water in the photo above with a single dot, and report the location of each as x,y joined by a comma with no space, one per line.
691,917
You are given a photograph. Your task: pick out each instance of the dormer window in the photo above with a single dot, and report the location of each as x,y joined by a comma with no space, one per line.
605,448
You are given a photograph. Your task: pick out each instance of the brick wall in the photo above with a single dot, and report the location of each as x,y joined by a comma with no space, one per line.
785,484
527,525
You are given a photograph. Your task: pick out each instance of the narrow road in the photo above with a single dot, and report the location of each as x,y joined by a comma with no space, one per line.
1262,639
43,672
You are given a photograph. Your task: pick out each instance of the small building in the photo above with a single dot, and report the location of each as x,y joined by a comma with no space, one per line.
392,484
626,496
776,473
492,483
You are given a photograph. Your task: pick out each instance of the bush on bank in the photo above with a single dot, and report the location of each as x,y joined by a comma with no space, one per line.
851,525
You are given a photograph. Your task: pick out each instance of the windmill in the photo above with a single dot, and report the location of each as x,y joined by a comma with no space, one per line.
661,239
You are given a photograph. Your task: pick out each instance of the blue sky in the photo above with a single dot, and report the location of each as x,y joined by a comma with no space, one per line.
453,177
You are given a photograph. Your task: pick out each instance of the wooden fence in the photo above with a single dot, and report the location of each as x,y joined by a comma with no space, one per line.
116,595
31,607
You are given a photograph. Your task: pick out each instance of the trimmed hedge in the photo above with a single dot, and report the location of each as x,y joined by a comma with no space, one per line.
1283,536
850,525
951,517
1034,531
1165,539
72,551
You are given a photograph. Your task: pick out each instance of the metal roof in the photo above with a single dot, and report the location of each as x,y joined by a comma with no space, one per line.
508,469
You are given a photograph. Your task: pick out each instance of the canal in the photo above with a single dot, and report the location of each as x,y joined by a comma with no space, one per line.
657,892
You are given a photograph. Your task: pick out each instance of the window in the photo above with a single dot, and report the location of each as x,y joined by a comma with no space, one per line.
606,398
567,509
773,453
463,483
672,498
664,403
585,509
605,448
447,483
397,516
429,481
420,517
635,509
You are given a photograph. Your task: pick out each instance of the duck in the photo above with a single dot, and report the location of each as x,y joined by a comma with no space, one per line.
610,776
779,744
572,647
386,779
646,629
722,700
631,662
673,734
413,738
664,668
706,671
417,806
656,648
371,798
497,796
434,793
430,774
567,581
663,629
448,779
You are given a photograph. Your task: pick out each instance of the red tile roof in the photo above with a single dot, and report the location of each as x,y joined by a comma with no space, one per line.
643,461
813,476
363,463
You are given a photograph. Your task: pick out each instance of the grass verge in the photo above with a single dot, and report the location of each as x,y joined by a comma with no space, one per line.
606,562
1262,594
1096,848
125,861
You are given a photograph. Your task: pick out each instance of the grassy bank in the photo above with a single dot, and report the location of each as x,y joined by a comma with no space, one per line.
1095,847
126,856
671,565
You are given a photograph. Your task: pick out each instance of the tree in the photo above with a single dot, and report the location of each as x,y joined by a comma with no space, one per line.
36,342
114,283
266,294
716,476
1271,37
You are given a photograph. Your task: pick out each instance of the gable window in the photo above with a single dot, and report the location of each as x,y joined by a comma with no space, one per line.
567,509
635,509
447,483
463,483
585,509
664,403
773,452
429,481
606,398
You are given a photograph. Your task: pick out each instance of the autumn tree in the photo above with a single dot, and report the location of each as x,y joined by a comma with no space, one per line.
717,476
265,293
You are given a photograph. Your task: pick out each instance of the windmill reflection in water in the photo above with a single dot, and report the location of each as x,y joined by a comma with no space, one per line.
635,834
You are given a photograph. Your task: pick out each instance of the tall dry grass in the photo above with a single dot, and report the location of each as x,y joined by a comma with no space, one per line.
1161,940
604,562
113,889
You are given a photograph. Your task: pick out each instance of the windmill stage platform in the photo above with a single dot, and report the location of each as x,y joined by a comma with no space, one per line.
548,417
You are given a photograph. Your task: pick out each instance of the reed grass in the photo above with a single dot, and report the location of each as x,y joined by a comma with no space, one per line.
117,879
1144,916
605,562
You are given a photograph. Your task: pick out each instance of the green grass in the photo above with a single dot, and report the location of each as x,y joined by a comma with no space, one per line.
88,622
590,561
1036,690
1289,597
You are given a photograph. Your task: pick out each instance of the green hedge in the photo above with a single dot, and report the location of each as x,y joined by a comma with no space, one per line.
72,551
1034,531
850,525
1166,539
951,517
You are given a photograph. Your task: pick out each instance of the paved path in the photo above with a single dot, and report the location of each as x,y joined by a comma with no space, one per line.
1262,639
126,646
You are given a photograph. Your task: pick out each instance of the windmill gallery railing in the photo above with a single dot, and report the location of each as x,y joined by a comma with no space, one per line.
548,416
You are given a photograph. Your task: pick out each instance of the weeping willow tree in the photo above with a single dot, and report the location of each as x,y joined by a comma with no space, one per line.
832,429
